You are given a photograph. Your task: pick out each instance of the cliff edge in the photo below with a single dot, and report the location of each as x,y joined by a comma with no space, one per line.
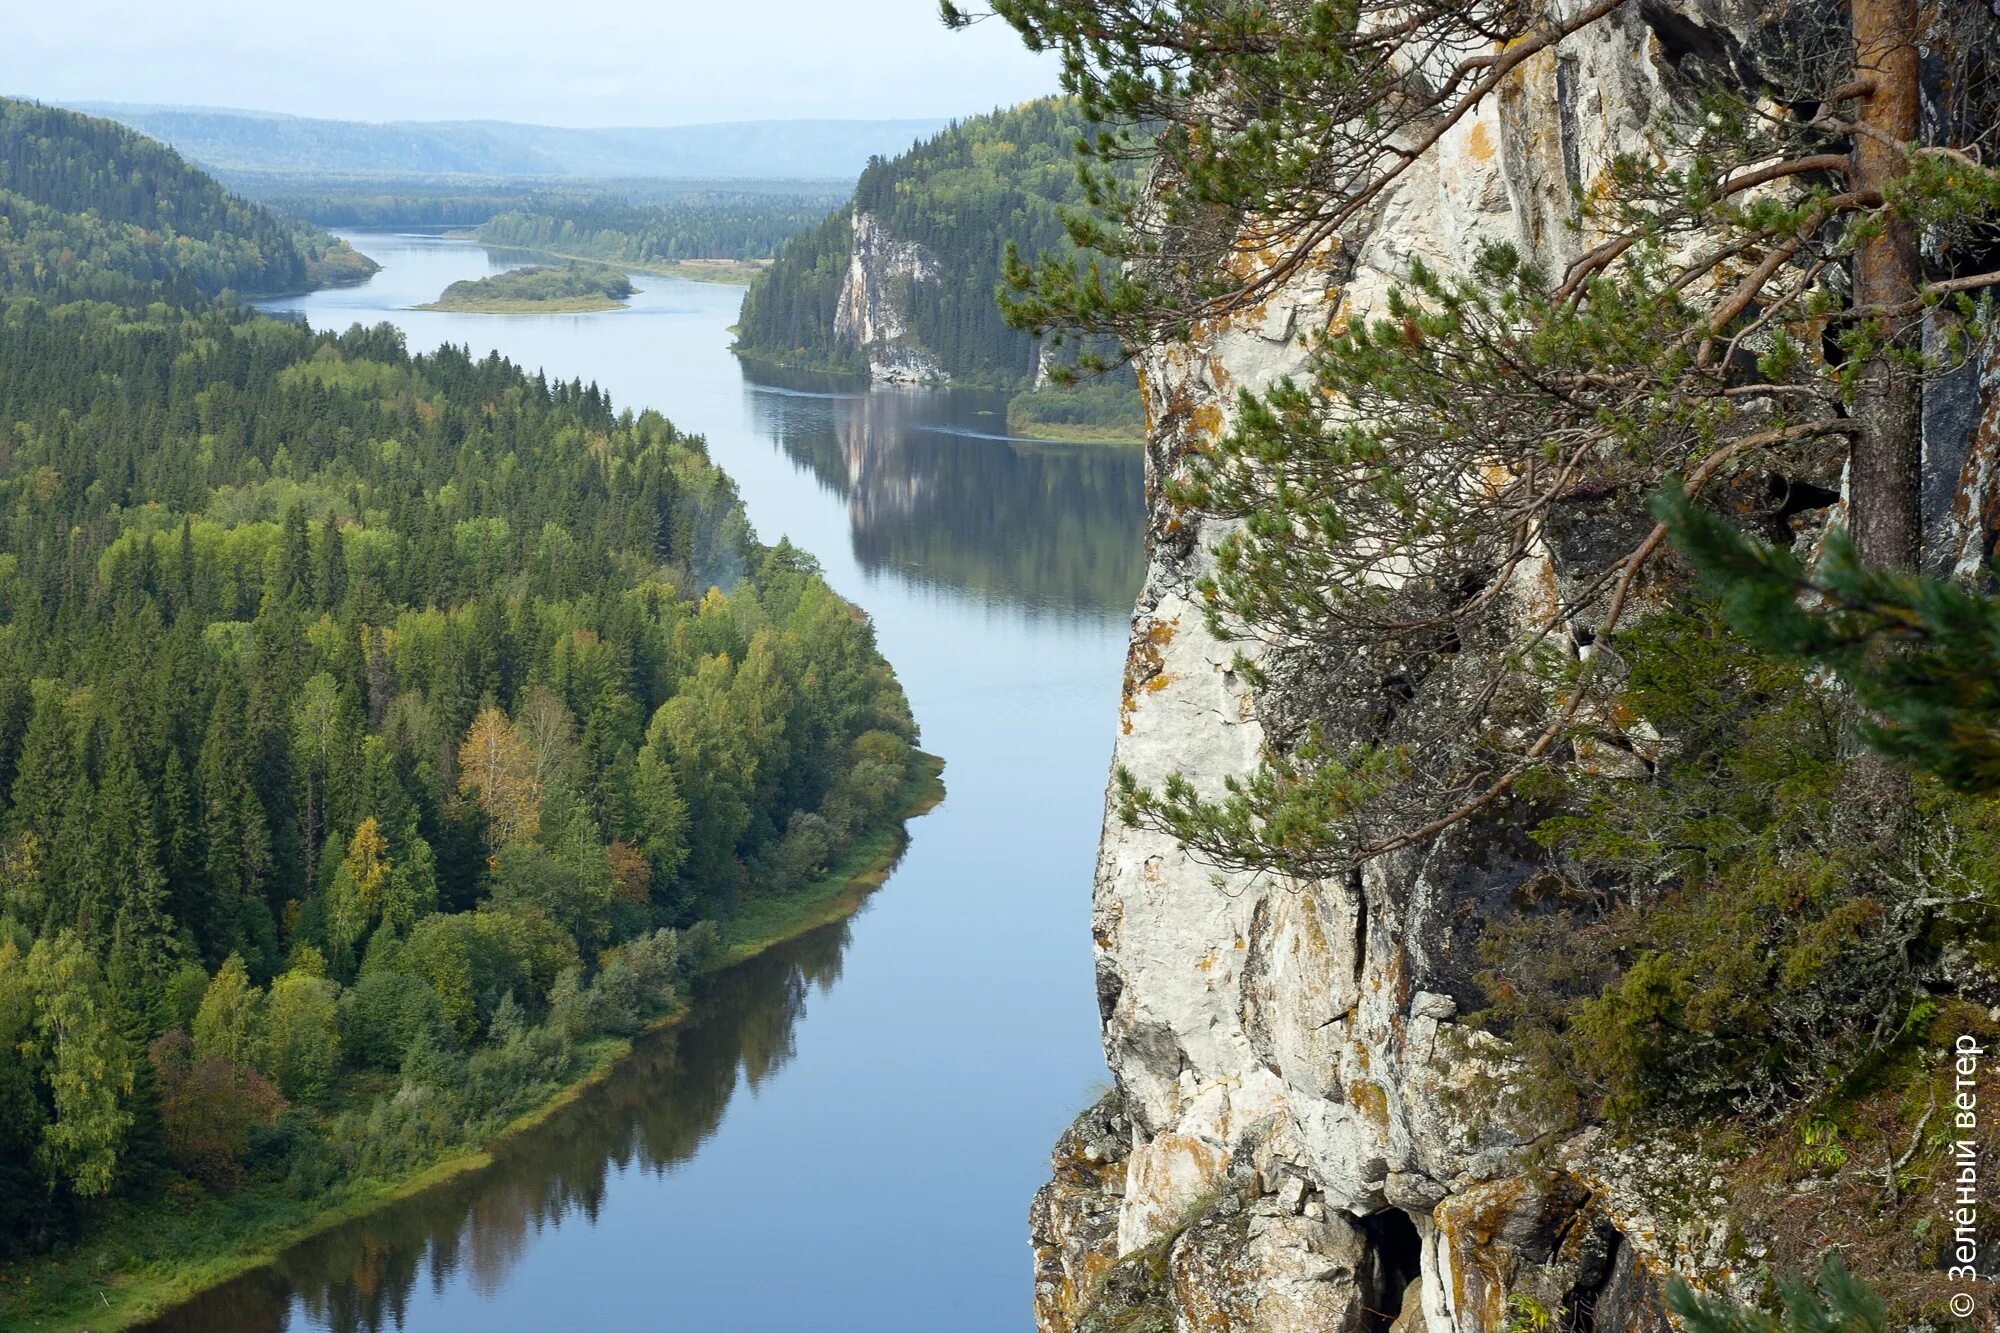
1305,1134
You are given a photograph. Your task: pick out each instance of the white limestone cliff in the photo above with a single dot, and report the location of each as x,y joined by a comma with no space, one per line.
1295,1050
870,316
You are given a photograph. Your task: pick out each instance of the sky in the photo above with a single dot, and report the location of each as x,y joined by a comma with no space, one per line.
576,62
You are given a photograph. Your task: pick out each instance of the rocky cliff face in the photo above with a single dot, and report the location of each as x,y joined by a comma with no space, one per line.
870,315
1304,1136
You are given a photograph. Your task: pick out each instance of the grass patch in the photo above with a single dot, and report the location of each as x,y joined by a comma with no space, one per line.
1087,414
729,272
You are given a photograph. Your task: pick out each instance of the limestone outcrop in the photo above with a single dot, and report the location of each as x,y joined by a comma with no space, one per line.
1304,1134
880,274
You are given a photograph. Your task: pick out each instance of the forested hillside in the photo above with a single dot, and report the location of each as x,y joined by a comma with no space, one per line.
941,217
377,733
89,208
703,225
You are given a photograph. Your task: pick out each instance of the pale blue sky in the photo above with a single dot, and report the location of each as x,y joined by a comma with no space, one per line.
559,62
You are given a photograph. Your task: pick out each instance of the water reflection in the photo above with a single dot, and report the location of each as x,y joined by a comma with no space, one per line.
937,491
652,1113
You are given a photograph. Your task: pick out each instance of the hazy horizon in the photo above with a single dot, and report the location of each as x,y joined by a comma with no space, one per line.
610,64
225,108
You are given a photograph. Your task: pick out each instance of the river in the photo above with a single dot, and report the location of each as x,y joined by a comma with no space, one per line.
846,1134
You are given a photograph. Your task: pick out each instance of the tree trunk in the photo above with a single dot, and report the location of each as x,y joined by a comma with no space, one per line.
1885,513
1885,467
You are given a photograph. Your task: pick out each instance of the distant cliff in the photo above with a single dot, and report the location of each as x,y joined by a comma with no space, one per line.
900,283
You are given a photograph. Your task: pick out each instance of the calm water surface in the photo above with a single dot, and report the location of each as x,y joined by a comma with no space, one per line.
847,1134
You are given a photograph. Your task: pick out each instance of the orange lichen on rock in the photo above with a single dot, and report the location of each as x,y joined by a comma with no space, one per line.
1479,144
1145,668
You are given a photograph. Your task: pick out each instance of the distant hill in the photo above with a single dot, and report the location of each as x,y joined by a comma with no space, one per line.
229,140
901,282
88,208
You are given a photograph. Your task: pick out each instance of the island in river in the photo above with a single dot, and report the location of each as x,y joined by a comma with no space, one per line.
541,289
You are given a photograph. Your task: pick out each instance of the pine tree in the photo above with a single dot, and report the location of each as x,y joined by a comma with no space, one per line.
1920,655
183,857
1361,535
235,836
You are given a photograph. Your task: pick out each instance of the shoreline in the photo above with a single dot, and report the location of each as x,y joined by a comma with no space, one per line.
723,272
1079,435
149,1293
1125,436
562,305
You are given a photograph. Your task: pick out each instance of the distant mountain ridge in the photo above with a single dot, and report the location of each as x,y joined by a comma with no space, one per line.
225,139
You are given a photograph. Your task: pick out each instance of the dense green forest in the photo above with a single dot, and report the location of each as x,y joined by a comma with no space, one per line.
788,312
571,286
89,208
695,226
375,200
377,732
964,196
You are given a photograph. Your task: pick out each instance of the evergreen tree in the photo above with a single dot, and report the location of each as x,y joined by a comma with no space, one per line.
293,579
143,947
1839,1303
1921,655
330,565
236,837
47,769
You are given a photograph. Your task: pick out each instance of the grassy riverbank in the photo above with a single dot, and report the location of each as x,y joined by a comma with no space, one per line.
1085,414
1057,434
142,1260
729,272
562,305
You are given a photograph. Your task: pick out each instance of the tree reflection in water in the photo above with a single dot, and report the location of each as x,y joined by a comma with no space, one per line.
654,1111
935,492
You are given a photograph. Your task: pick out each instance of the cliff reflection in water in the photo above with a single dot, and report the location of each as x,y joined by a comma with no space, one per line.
936,491
654,1110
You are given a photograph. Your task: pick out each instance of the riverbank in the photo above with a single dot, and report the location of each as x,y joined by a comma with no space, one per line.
1060,434
562,305
1081,414
143,1260
728,272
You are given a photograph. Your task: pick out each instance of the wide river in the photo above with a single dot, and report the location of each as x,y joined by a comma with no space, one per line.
847,1133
